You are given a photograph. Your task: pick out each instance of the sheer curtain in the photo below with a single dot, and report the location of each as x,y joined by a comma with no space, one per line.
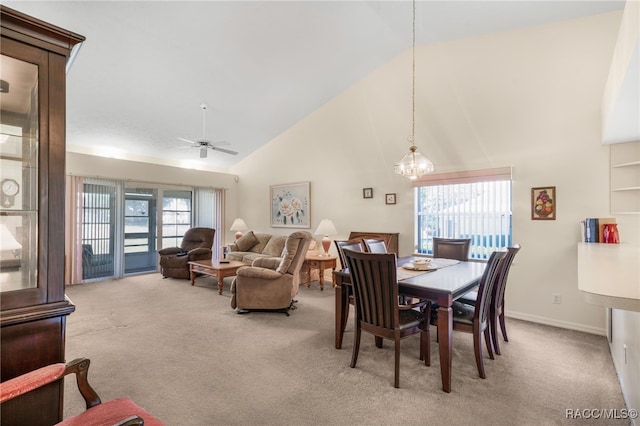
73,230
100,225
209,207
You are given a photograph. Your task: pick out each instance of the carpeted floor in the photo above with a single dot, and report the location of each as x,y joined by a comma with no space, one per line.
182,353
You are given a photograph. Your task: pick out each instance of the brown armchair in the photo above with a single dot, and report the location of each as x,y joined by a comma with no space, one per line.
196,245
118,412
271,283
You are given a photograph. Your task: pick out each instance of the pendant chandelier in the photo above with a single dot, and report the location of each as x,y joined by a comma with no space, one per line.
413,165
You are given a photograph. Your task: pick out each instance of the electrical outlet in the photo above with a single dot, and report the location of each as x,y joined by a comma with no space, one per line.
557,298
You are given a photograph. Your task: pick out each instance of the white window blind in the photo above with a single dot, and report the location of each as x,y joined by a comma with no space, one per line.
471,204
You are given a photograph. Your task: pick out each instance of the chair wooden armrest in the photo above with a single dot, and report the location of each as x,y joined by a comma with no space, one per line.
131,421
122,412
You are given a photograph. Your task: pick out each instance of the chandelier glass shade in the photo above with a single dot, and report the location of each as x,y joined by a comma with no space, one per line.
413,164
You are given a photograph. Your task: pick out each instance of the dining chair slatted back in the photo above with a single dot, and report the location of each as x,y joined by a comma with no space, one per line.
375,246
497,303
375,284
475,319
452,248
496,310
355,245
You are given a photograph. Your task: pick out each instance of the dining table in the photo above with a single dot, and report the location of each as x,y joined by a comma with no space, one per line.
442,285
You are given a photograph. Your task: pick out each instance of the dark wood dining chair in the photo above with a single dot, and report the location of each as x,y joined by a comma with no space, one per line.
451,248
375,246
377,309
355,245
496,309
475,319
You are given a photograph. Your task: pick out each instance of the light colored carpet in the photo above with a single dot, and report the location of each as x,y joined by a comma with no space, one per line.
182,353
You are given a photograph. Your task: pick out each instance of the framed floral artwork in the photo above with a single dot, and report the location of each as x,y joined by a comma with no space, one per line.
543,203
290,205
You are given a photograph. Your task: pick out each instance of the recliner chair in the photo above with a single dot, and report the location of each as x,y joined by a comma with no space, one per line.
271,283
196,245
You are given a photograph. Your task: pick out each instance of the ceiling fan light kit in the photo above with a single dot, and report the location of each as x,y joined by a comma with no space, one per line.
205,143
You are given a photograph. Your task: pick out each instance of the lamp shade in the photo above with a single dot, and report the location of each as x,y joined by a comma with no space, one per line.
239,226
326,227
7,240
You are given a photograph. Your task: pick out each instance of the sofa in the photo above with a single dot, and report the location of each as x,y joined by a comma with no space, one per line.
257,245
252,246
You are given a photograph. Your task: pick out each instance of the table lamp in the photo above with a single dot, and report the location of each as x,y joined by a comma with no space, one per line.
7,240
326,228
239,226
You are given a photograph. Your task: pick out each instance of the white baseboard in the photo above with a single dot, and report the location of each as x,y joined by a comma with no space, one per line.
556,323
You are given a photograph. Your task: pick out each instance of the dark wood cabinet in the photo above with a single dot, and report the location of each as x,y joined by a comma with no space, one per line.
33,306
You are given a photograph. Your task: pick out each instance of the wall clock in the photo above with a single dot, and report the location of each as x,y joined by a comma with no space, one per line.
10,189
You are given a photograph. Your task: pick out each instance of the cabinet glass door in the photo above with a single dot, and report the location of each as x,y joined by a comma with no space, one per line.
18,174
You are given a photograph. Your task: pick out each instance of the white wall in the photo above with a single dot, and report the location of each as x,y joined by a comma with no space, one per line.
93,166
528,98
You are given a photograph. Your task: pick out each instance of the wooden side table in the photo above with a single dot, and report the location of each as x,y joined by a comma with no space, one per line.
322,263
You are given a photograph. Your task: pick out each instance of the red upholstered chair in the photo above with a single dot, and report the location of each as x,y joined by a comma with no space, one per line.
120,412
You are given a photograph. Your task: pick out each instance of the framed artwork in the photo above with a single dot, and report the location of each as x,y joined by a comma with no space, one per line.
390,198
367,192
543,203
290,205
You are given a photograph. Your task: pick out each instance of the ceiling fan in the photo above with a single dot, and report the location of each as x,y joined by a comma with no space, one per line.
204,143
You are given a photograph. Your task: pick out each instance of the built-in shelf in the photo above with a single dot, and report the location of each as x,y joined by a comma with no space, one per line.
609,275
625,178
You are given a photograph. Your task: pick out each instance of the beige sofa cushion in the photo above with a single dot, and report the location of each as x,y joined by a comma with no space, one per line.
263,240
247,241
275,246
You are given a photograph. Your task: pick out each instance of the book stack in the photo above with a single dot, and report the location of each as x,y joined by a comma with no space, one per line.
599,230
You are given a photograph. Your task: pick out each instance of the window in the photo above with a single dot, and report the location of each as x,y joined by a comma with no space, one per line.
475,205
176,217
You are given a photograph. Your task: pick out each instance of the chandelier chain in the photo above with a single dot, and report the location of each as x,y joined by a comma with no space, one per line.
413,78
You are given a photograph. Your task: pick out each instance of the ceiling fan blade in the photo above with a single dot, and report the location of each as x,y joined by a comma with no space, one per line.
226,151
203,152
187,140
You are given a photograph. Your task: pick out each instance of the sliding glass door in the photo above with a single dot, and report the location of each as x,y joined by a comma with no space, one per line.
140,230
121,226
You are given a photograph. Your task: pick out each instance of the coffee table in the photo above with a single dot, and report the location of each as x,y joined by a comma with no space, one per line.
214,268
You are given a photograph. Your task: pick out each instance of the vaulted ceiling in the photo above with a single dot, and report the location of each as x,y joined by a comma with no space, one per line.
138,81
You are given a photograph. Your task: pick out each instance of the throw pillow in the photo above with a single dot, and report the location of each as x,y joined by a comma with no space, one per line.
247,241
275,246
